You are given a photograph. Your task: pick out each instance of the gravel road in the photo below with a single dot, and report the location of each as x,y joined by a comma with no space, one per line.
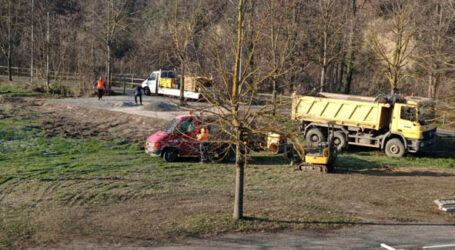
153,106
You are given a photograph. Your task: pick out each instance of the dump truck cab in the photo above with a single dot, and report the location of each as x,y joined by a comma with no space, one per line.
413,120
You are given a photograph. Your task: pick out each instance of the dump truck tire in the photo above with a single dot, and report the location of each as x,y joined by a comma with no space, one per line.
314,136
394,148
339,139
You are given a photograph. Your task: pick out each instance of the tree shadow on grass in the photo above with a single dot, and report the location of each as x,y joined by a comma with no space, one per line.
266,160
444,147
341,223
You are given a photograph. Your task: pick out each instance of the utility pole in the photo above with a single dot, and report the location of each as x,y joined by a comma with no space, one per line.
32,41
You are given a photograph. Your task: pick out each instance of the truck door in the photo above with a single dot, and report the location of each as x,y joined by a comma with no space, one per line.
153,83
187,143
405,121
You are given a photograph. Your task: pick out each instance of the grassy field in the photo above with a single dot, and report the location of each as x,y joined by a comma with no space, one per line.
54,190
49,185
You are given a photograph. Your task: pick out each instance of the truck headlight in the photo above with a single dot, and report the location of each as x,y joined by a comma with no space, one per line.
153,144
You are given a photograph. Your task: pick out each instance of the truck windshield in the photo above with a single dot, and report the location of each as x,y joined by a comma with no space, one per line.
171,125
408,113
426,113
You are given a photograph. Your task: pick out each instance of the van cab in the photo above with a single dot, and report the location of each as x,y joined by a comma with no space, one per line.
176,139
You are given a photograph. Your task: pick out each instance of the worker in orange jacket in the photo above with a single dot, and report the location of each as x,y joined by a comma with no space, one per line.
100,88
203,138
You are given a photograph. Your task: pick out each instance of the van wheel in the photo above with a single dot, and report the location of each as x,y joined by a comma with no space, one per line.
147,91
314,136
339,140
394,148
170,155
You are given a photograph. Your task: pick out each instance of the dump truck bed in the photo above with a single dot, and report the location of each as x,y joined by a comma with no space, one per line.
345,110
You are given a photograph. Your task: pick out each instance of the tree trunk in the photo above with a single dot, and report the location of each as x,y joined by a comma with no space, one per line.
108,69
349,62
274,93
239,168
32,41
433,82
182,86
48,50
430,86
10,43
239,179
394,83
10,72
323,70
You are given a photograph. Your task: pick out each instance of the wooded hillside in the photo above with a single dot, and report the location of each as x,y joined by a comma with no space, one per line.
350,46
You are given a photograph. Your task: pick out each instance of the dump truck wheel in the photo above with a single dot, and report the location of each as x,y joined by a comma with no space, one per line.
339,140
170,155
394,148
314,136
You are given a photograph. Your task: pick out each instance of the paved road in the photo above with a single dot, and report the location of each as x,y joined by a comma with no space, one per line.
445,132
359,237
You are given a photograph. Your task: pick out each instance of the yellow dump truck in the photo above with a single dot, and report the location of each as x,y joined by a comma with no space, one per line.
392,123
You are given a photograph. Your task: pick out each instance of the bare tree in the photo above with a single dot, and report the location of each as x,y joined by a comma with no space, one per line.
329,27
234,109
281,31
350,51
183,29
393,64
435,43
9,31
109,20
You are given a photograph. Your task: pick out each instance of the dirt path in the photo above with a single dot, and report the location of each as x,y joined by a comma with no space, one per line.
164,108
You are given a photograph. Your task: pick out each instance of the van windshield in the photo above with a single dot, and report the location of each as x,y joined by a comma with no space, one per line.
171,125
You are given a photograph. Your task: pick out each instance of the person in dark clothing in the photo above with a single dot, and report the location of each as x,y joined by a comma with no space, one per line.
138,93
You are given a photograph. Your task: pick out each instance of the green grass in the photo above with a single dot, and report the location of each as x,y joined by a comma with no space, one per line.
47,179
18,89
